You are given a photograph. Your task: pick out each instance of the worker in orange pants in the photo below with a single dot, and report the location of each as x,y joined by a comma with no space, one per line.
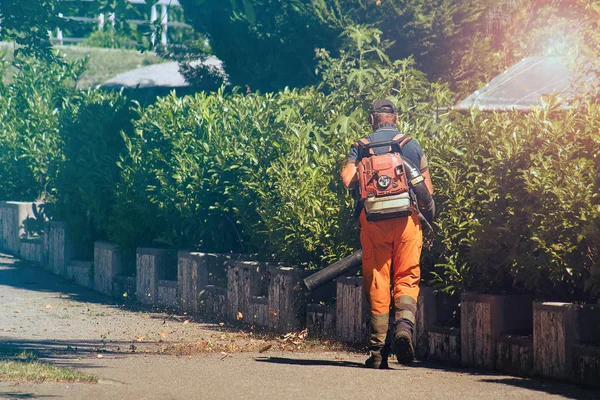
392,248
391,235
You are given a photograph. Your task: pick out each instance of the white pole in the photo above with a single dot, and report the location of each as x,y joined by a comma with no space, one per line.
153,17
163,21
59,36
100,21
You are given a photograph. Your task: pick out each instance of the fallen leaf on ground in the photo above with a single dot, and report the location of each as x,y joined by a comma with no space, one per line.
162,333
99,356
17,311
186,322
49,306
265,348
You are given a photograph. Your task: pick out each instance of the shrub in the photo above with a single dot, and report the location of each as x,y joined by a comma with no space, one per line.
30,143
519,204
91,129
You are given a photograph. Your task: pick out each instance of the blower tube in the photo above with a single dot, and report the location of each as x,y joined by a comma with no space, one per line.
347,264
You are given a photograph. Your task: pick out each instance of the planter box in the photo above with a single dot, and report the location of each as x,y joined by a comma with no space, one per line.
167,293
320,320
12,224
484,317
445,345
124,288
59,248
352,312
213,302
555,331
107,265
151,266
515,354
285,301
81,272
32,250
425,320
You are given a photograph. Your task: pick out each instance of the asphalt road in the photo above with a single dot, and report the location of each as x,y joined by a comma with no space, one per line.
73,327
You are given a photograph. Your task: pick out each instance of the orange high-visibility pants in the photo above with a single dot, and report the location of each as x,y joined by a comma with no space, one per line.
390,244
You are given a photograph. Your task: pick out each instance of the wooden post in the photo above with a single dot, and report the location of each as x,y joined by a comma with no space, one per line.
151,267
352,312
243,281
555,331
192,278
285,300
107,265
60,248
425,320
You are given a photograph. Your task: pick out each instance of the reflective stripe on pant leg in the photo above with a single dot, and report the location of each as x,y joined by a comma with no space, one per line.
405,308
379,329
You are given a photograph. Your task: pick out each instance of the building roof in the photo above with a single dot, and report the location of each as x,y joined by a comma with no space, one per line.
164,75
521,86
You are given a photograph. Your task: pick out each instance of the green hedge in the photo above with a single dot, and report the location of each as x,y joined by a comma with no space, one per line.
517,193
519,203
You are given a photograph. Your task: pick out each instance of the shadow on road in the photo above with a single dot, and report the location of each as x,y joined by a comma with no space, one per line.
542,385
15,395
566,390
311,363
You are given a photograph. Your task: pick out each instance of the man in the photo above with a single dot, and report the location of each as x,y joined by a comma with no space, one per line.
389,245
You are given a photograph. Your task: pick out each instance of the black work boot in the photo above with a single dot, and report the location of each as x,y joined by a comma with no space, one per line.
404,322
378,342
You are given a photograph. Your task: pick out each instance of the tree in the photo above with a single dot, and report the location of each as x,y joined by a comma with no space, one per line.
265,44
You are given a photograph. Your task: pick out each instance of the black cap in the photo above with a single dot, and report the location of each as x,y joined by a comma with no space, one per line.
383,106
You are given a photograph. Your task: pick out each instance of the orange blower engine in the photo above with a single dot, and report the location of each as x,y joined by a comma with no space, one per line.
383,184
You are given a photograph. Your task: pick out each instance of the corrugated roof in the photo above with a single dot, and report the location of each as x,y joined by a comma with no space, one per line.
522,85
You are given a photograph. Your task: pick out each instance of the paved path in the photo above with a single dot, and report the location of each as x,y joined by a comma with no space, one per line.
71,326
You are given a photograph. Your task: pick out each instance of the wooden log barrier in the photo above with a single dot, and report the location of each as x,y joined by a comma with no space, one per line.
483,318
243,282
352,313
13,215
444,345
555,331
107,265
515,354
213,302
81,272
285,300
320,320
32,250
60,248
167,293
124,288
151,267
